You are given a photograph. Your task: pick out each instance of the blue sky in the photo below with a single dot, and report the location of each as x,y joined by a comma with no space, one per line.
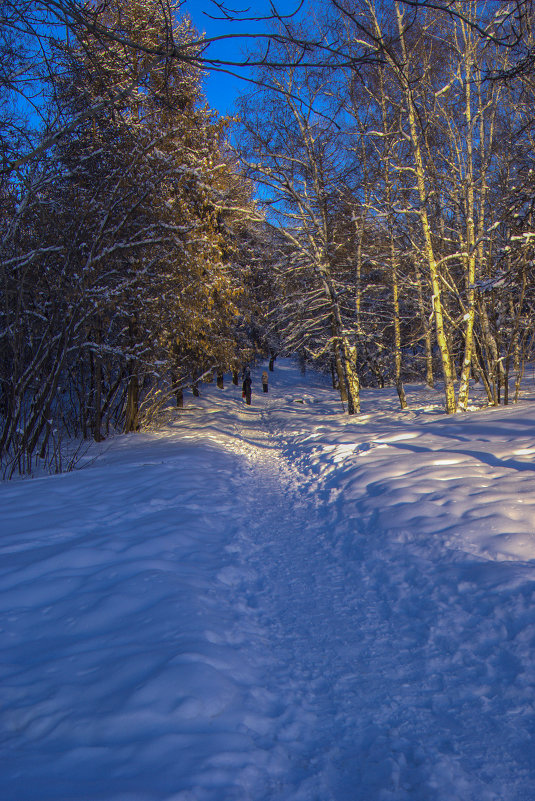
223,89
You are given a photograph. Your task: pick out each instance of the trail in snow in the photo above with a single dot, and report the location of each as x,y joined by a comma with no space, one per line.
275,602
390,657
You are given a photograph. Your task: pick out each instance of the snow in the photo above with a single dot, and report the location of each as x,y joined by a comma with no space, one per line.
277,602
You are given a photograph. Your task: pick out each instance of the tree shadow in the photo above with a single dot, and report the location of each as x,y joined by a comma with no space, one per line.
485,458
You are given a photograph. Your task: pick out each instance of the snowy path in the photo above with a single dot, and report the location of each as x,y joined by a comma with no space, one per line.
390,659
262,604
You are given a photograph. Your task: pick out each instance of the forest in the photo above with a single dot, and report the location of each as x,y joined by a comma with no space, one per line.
368,209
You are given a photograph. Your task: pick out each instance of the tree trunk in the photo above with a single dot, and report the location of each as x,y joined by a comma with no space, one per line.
345,354
341,384
353,406
97,394
427,332
470,247
478,359
131,422
195,386
397,325
333,373
449,388
491,349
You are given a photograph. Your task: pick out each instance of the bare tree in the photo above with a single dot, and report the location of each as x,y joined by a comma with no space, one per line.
301,161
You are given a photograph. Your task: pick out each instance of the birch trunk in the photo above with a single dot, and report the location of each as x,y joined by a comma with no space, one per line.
435,278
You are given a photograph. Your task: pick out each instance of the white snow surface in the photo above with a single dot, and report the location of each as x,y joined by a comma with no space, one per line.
277,603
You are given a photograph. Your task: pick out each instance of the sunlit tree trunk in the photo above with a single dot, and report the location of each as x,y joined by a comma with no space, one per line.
470,244
394,267
449,387
428,343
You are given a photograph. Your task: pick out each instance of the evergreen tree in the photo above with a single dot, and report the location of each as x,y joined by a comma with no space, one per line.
129,238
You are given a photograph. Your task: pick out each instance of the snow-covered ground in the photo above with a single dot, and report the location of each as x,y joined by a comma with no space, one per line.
276,603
